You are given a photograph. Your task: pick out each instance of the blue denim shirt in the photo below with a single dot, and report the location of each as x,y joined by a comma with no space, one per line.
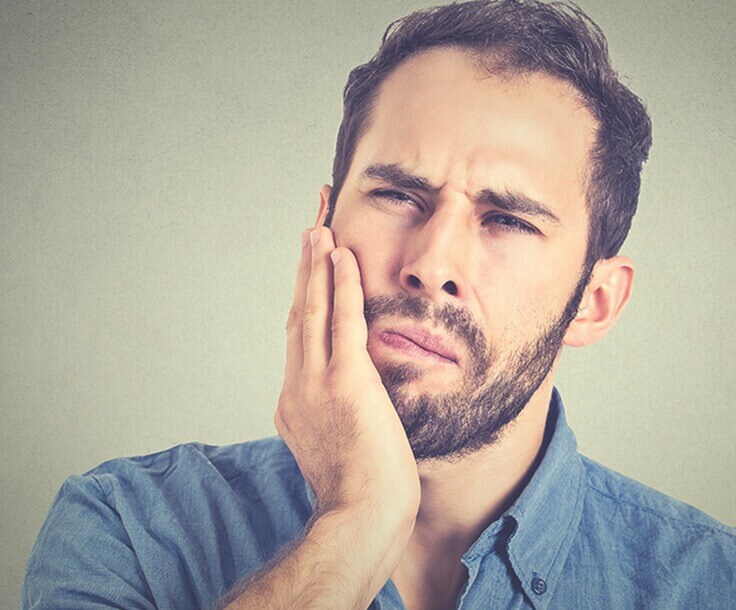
177,529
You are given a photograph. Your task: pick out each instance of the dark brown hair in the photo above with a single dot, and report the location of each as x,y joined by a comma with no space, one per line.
521,37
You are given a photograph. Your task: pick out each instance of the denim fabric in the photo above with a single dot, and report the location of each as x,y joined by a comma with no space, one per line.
177,529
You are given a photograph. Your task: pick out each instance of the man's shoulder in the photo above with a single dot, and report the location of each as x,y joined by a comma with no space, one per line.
266,459
669,554
650,507
202,513
630,528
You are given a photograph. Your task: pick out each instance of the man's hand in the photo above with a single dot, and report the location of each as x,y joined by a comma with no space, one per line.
334,412
337,419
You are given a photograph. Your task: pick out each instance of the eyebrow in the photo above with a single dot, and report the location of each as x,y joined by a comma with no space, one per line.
397,176
518,203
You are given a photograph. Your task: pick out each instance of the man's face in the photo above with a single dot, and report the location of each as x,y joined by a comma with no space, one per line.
485,251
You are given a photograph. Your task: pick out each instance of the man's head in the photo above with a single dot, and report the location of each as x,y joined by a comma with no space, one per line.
487,163
512,38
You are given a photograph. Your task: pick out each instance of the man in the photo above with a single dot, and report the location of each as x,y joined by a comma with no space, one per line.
486,173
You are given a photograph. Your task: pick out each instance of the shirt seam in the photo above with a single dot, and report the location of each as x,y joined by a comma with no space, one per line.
659,514
101,486
281,456
276,461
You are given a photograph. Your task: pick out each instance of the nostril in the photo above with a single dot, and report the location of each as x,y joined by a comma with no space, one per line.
415,282
451,287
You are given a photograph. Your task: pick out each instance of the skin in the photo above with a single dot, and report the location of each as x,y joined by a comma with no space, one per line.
438,116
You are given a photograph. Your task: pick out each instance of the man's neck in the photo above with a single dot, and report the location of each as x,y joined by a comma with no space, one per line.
459,500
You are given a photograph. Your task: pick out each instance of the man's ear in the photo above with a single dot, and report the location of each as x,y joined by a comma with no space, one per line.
324,198
605,297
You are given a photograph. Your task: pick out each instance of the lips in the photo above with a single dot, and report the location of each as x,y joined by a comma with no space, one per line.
426,340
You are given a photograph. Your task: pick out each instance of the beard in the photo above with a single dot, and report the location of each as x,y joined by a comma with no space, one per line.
452,425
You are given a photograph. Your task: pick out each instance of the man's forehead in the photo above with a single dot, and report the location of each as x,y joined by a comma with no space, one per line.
450,71
440,115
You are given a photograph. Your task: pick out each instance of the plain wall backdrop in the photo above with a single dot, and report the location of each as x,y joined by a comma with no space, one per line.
157,163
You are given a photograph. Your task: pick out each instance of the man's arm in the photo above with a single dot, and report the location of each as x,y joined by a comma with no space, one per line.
341,561
83,558
338,421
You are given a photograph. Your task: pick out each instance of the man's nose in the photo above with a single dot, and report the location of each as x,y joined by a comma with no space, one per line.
436,258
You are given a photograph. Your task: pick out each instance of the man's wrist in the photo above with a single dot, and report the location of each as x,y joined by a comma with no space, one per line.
342,559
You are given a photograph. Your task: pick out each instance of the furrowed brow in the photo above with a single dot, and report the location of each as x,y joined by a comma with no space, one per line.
397,176
517,203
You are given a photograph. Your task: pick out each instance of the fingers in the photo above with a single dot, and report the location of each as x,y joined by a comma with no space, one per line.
326,321
349,329
294,347
317,336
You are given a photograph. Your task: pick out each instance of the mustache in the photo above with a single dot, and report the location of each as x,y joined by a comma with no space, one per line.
455,321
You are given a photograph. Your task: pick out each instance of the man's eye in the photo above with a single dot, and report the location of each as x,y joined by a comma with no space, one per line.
509,223
394,196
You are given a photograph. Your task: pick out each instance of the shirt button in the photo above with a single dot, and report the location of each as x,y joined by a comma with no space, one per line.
538,585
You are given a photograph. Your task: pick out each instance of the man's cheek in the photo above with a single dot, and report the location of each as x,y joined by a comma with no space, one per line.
369,273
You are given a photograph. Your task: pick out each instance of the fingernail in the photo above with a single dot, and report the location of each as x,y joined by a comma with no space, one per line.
314,237
335,256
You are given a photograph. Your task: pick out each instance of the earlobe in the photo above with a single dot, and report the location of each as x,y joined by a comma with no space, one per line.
324,198
608,292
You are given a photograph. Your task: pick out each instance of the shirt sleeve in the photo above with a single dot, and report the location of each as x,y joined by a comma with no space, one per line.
83,557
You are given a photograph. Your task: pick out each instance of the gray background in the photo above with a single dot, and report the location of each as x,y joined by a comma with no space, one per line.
157,162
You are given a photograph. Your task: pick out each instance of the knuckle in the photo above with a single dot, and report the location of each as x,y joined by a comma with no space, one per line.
292,321
280,423
339,326
312,310
308,333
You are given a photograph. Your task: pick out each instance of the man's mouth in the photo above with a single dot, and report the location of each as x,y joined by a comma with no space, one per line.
420,342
